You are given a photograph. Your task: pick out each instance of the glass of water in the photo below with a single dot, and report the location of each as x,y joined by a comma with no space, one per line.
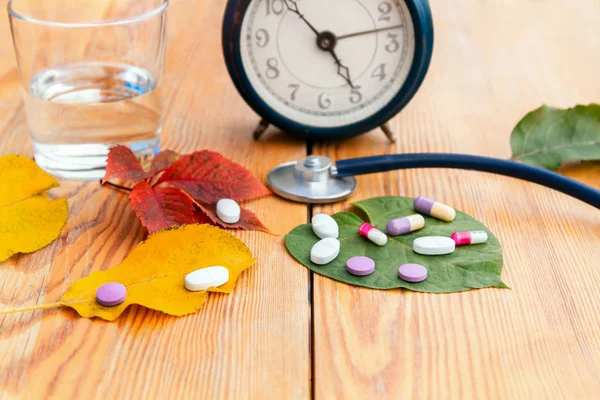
91,72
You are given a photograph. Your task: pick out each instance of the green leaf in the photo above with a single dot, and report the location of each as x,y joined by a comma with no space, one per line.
548,136
469,267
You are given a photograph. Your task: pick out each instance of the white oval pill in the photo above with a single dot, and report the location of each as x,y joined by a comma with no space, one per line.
325,251
202,279
434,245
228,211
324,226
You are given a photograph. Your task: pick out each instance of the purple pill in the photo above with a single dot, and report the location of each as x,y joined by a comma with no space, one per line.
111,294
424,205
360,265
404,225
412,272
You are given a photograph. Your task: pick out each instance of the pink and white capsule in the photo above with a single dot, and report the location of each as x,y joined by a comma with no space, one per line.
471,237
373,234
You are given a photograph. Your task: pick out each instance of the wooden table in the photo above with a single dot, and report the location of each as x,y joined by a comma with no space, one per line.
288,334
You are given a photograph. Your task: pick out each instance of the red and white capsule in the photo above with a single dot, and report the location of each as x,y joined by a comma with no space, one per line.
471,237
373,234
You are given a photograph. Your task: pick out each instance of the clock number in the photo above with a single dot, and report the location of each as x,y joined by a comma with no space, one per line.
379,72
384,10
275,6
262,37
324,101
355,95
294,87
394,44
272,71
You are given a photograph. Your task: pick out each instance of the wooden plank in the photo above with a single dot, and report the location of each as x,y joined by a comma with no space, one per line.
251,344
492,63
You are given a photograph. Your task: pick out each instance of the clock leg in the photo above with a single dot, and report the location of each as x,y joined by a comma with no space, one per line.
260,129
388,132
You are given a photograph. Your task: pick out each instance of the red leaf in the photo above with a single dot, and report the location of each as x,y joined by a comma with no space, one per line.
207,213
161,207
208,177
123,164
163,160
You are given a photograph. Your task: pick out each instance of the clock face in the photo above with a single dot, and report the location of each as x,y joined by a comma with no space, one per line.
327,63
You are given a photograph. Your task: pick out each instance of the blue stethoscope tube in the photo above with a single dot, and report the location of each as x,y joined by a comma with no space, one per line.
368,165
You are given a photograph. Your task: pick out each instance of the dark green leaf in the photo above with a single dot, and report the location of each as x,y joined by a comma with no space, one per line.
548,136
469,267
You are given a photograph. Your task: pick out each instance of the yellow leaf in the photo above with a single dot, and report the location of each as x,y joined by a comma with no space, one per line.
29,220
154,272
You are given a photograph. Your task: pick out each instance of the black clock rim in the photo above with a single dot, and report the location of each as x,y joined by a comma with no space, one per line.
420,13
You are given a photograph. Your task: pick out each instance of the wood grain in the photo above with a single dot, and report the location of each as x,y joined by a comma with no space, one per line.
251,344
279,337
493,62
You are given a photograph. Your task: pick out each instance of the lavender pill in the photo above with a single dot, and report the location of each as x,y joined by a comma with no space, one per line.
412,272
111,294
360,266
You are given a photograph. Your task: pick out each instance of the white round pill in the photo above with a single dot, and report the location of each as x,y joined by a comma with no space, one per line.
202,279
434,245
228,211
325,251
324,226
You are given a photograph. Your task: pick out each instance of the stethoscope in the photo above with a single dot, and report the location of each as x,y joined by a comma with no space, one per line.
316,180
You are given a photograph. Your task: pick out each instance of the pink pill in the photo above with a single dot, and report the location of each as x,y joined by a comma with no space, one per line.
111,294
360,265
412,272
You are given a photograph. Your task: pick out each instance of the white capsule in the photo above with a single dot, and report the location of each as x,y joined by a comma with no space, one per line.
205,278
434,245
325,251
228,211
373,234
324,226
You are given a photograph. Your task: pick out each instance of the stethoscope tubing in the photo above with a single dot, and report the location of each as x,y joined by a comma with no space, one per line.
383,163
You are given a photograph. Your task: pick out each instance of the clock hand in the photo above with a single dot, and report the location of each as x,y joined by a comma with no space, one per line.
342,70
325,41
367,32
294,8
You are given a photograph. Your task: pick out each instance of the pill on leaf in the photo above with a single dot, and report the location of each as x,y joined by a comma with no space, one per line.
228,211
373,234
434,209
412,272
111,294
404,225
360,265
434,245
324,226
325,251
205,278
470,237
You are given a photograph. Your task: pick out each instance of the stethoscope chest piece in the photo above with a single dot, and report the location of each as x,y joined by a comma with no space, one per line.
310,180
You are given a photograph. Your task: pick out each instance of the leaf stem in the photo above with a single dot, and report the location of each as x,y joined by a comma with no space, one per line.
30,308
115,186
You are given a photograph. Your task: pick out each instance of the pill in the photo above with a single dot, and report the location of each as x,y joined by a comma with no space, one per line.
412,272
324,226
202,279
325,251
404,225
111,294
360,265
434,209
434,245
228,211
373,234
471,237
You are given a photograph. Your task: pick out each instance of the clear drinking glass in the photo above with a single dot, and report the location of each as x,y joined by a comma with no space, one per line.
91,72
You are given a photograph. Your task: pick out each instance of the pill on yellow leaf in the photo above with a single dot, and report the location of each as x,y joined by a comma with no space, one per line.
29,219
153,274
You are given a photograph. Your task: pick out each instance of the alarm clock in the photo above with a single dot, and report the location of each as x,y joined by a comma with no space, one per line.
327,69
